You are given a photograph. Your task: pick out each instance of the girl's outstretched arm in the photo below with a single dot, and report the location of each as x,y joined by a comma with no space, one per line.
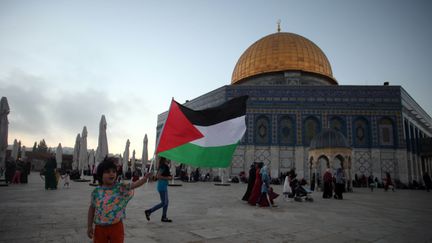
140,182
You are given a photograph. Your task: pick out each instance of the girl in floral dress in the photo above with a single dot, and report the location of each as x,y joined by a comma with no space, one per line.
108,204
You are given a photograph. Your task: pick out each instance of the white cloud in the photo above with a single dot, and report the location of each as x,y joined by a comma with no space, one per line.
40,110
27,102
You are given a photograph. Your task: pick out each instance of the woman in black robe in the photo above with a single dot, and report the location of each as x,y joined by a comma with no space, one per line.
10,169
251,182
22,167
49,171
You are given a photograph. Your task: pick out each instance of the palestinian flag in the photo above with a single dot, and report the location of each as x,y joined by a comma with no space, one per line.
204,138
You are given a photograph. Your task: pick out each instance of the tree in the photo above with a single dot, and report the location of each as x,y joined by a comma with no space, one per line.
42,147
34,147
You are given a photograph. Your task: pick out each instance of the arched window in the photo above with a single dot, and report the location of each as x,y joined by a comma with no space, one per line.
385,128
286,131
338,124
361,132
311,129
262,130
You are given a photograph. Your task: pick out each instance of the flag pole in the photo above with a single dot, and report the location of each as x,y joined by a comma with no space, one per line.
158,139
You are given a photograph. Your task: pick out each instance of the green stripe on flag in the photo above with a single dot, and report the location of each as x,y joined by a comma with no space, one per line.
197,156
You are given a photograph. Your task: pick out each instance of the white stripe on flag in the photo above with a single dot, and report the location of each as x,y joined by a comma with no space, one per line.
221,134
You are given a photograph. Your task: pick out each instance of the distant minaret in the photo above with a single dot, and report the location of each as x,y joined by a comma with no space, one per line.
278,25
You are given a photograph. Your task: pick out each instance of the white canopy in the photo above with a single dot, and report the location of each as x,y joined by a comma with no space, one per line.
120,161
23,152
91,158
83,154
102,149
133,161
75,158
144,158
4,124
15,149
126,157
59,155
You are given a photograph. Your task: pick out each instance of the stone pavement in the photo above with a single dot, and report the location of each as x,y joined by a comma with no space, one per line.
203,212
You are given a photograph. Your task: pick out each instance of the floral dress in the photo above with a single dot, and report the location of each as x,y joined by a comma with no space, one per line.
110,203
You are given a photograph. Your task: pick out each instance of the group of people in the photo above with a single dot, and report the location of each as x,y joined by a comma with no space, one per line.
51,175
16,171
372,182
294,188
186,174
109,200
339,183
389,185
259,193
338,180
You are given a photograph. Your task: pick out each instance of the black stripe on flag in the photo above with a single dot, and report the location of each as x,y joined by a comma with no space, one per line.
231,109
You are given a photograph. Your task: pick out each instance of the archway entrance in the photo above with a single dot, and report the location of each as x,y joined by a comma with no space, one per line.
329,149
322,164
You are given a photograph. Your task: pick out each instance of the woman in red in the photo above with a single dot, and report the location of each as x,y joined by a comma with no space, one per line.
256,190
328,184
388,182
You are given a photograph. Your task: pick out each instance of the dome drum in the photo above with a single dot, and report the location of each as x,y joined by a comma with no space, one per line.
286,78
329,138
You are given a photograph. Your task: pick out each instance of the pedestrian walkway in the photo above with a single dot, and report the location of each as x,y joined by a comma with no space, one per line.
203,212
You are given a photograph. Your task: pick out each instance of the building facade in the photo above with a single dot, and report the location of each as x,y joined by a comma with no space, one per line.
293,97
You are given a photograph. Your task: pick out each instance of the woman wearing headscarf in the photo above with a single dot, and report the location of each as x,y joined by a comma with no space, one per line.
264,199
10,169
256,190
340,184
50,177
267,194
287,191
388,183
251,182
328,184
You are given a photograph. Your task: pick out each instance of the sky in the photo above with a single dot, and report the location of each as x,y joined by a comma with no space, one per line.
65,63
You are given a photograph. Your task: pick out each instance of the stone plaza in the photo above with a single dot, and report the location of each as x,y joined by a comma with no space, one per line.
203,212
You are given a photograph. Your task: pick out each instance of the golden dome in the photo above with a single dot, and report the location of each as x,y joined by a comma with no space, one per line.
282,52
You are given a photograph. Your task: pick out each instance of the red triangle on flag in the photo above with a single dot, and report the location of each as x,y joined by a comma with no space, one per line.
177,130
